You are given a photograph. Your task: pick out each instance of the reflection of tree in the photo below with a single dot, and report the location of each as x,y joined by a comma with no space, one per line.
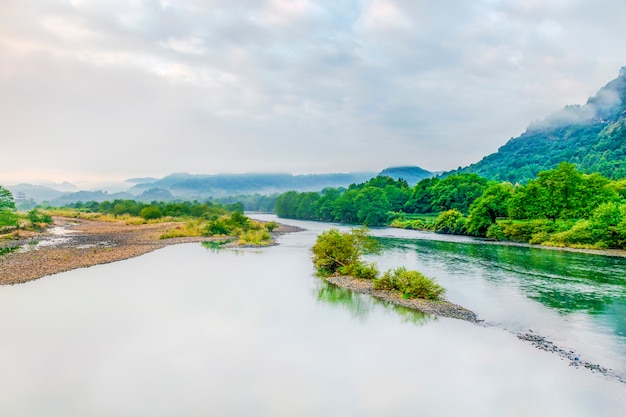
360,305
352,301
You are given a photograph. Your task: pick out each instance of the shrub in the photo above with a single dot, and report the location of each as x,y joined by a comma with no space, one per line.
495,232
254,237
539,237
412,284
270,226
580,233
450,222
360,270
37,218
150,213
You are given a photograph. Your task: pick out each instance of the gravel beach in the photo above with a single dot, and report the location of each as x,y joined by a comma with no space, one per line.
77,243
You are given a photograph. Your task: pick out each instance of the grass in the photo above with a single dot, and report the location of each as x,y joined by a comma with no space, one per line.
190,228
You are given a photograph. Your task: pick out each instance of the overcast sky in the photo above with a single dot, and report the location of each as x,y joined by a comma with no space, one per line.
111,89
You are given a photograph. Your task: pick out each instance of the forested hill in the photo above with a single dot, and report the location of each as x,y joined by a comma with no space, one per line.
411,174
591,136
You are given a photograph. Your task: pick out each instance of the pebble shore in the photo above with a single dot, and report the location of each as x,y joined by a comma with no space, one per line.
437,308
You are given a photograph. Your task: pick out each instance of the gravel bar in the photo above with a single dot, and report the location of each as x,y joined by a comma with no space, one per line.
78,243
437,308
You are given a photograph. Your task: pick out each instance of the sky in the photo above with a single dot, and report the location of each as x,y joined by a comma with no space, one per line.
103,90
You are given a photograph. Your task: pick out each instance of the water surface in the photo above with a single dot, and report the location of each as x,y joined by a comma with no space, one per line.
191,331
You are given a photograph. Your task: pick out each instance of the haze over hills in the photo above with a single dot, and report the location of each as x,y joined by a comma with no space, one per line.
192,186
591,136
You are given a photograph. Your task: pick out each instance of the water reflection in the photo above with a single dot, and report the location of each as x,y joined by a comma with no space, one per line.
565,281
360,305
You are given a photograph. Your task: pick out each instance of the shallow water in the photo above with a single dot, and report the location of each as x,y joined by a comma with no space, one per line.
191,331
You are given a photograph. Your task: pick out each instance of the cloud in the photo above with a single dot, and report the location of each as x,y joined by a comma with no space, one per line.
151,87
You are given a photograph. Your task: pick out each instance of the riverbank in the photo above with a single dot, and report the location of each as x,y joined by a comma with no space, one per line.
616,253
437,308
77,243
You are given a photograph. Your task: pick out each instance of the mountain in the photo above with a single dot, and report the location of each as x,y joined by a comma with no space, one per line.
36,193
183,185
85,196
410,174
591,136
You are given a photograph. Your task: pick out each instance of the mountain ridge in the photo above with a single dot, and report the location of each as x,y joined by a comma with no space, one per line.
591,136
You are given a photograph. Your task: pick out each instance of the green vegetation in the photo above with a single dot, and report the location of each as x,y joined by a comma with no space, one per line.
560,207
368,203
340,253
38,219
592,137
8,215
192,218
412,284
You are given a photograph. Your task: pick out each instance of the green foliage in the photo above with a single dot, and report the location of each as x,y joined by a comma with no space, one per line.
486,209
8,216
270,226
457,192
150,213
369,203
6,199
334,249
254,237
450,222
37,218
412,284
495,232
360,269
561,193
8,219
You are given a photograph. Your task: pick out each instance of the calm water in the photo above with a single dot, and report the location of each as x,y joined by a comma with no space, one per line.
194,332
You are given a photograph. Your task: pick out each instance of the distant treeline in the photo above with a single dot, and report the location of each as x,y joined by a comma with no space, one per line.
157,209
560,207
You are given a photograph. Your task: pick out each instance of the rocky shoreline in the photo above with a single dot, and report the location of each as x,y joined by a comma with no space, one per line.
543,343
438,308
77,243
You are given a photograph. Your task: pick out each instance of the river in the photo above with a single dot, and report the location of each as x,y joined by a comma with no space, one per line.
192,331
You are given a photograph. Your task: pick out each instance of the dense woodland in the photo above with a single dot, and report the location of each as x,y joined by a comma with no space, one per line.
560,207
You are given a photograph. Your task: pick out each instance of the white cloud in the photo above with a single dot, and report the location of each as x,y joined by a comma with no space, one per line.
278,85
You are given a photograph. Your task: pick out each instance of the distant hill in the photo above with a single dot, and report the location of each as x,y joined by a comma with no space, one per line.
183,185
85,196
36,193
591,136
411,174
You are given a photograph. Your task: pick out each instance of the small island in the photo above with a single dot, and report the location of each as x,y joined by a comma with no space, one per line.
338,259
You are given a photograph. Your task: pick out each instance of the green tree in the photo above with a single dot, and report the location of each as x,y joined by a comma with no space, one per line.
8,215
6,199
423,197
334,249
484,211
151,212
372,206
458,192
